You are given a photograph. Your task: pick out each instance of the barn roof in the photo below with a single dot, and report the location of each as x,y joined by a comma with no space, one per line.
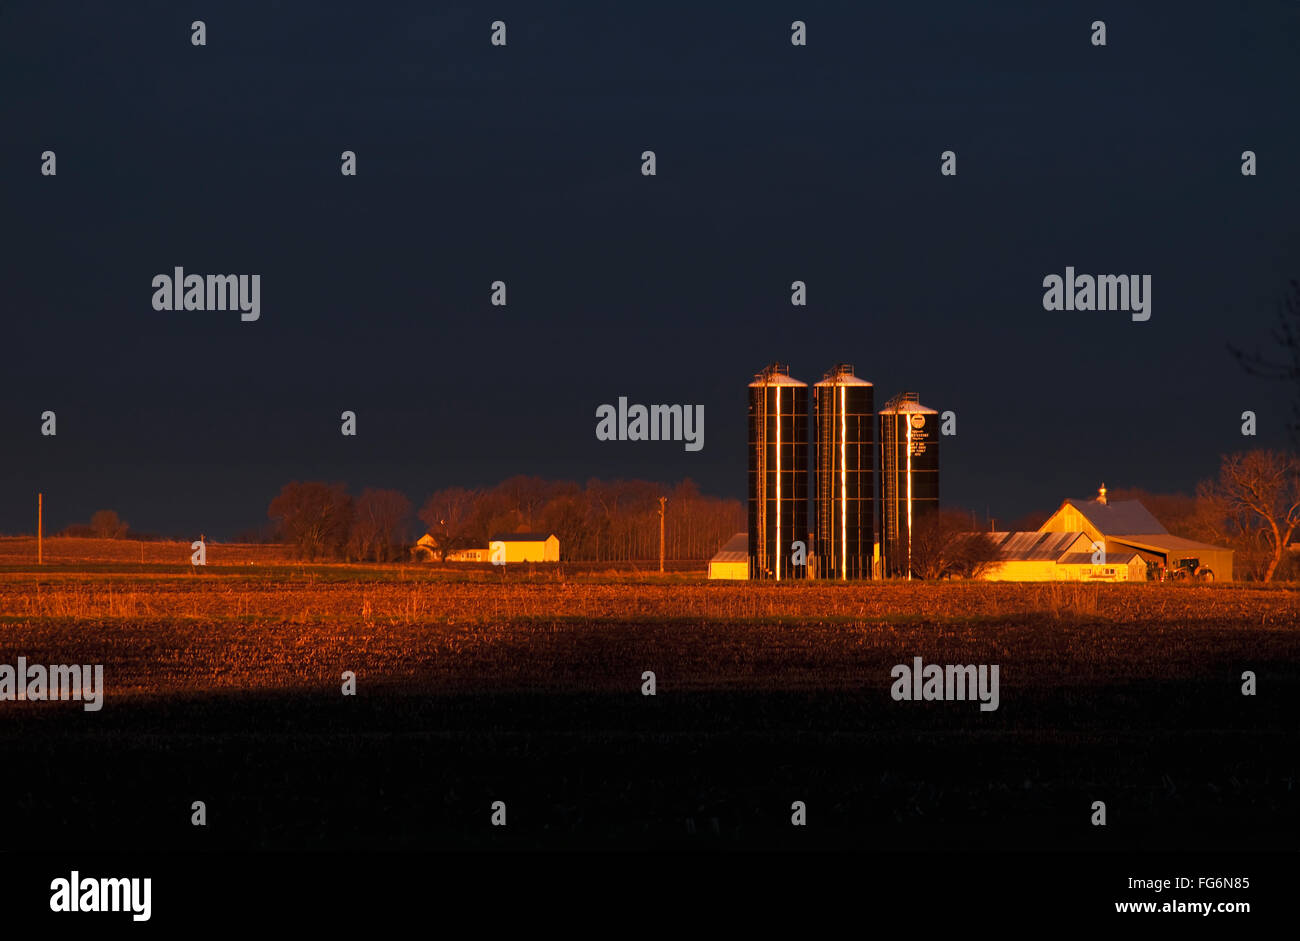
1125,516
1162,542
1032,547
736,549
522,537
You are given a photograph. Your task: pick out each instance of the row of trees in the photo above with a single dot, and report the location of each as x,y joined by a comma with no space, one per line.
601,521
322,521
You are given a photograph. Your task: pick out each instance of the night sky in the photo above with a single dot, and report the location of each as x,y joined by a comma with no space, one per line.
522,163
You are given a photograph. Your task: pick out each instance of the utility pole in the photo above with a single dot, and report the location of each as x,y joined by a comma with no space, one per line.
662,501
40,528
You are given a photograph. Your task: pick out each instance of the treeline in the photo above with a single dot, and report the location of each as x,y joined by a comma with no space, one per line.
601,521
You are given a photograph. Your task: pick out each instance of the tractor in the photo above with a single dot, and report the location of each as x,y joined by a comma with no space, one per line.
1188,569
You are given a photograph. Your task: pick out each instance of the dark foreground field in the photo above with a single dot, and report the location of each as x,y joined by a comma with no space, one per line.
225,688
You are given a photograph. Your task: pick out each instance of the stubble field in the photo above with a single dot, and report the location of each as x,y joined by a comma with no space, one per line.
475,685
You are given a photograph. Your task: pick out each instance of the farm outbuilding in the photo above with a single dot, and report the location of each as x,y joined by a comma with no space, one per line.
732,560
1060,556
524,547
1170,552
1032,557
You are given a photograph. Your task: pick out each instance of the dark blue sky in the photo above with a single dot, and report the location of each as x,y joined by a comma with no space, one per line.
775,163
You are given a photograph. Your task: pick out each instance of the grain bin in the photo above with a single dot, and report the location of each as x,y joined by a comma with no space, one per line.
909,477
844,497
778,473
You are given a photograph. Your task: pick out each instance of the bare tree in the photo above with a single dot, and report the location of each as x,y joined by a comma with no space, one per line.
107,525
1257,495
378,524
1285,366
314,516
450,516
943,546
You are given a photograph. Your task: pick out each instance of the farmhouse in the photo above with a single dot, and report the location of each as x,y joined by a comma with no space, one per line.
426,550
732,560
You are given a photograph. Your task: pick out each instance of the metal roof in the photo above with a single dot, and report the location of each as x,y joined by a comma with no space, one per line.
842,375
1161,542
906,402
1032,547
1127,516
522,537
775,375
736,549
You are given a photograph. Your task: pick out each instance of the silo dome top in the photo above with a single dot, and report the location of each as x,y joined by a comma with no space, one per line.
775,375
904,403
842,375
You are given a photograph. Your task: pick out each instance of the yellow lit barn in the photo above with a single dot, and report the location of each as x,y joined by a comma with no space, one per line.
1096,540
732,560
1128,526
524,547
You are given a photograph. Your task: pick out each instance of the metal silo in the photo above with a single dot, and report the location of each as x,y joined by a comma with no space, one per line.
844,495
909,477
778,473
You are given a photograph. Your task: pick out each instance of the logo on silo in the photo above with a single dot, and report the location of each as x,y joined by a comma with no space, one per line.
918,421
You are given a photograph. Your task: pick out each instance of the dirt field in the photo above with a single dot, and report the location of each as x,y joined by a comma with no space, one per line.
72,551
224,685
299,627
